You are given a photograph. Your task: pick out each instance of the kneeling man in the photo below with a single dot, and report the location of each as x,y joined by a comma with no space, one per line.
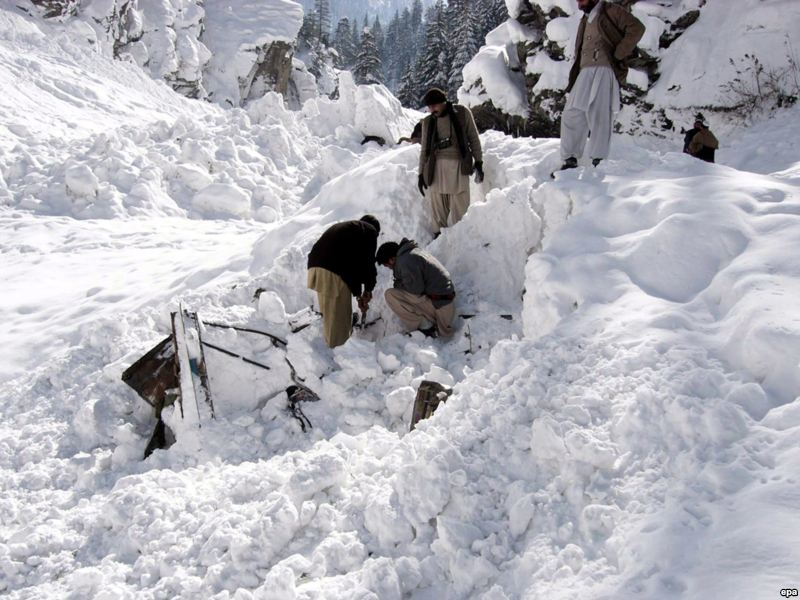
422,288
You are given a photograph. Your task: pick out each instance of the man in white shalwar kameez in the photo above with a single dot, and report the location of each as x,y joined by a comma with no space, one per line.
607,36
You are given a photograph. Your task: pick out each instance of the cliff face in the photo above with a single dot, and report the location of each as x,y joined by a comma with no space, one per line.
224,52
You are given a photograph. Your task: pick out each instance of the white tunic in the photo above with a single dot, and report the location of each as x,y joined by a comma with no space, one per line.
593,82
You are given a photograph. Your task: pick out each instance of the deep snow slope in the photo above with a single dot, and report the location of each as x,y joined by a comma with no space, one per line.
625,418
640,440
56,87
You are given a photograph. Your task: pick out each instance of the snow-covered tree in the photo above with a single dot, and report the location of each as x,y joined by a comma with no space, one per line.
377,33
343,44
355,37
392,53
467,39
408,91
490,14
368,63
322,21
416,16
432,65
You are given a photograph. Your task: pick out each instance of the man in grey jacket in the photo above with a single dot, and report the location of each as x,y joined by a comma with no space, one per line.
422,288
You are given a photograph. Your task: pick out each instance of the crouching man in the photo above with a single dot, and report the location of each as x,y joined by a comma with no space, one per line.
422,288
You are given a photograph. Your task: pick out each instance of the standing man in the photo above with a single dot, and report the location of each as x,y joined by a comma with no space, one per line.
699,141
342,261
422,288
450,145
607,36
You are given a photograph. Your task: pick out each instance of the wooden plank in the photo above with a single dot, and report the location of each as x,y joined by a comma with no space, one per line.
429,395
205,385
190,410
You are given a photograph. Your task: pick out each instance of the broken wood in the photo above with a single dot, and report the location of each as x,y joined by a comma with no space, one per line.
153,376
429,395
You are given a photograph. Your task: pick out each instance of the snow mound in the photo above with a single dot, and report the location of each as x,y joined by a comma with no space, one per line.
255,164
666,253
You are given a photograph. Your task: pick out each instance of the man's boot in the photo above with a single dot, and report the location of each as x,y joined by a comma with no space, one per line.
430,332
596,161
570,163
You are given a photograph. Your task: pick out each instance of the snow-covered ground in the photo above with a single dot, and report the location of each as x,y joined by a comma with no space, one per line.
631,431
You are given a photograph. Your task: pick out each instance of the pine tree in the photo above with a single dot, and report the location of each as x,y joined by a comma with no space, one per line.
343,44
368,64
468,40
490,14
498,12
322,22
405,23
392,52
356,38
308,45
432,68
408,91
377,33
416,17
305,38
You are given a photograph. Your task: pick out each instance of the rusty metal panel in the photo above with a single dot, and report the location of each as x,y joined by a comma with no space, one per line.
153,375
429,395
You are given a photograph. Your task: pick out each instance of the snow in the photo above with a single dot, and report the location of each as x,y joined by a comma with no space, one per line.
625,413
487,77
56,89
765,26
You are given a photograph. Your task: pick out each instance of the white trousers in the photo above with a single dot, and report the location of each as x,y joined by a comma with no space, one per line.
590,108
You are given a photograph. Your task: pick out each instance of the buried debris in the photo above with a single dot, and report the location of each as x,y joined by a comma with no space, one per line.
296,394
429,395
176,370
154,378
153,375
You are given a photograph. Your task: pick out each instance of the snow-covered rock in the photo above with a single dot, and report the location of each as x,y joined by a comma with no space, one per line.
251,46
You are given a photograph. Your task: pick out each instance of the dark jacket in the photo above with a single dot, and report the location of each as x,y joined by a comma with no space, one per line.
348,249
687,138
621,31
418,272
469,144
703,145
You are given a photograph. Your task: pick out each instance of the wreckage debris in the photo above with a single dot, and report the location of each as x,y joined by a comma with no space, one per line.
176,370
429,396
